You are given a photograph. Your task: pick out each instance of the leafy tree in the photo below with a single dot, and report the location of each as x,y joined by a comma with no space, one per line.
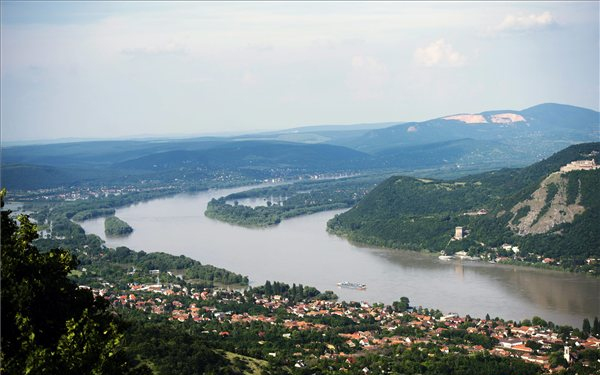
49,325
401,305
537,321
556,359
596,327
586,328
533,345
268,288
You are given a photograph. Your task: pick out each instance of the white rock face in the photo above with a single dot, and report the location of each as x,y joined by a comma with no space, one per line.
468,119
507,118
543,217
500,118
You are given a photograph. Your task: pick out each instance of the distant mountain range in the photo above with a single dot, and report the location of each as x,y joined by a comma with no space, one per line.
549,123
539,208
457,143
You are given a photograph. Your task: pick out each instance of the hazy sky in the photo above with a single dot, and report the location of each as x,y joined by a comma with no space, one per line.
112,69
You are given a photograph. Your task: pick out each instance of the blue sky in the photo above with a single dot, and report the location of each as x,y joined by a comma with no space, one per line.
121,69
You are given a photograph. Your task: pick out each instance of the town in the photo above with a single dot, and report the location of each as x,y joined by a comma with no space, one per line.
299,333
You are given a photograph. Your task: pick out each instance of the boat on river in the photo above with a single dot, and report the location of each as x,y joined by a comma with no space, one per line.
346,284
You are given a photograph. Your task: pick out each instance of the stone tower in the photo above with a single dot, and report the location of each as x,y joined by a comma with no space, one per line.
567,354
459,233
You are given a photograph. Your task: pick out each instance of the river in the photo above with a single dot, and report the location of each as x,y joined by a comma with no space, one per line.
300,251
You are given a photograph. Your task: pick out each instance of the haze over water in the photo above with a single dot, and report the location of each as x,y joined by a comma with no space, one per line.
300,251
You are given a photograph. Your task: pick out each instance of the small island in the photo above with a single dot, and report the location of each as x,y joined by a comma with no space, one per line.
290,200
113,226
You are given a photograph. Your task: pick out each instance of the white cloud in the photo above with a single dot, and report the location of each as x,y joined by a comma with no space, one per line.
530,22
439,53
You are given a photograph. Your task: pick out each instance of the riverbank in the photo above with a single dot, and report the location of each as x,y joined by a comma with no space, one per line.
299,250
591,270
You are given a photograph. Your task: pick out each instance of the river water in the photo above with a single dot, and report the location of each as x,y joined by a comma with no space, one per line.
300,251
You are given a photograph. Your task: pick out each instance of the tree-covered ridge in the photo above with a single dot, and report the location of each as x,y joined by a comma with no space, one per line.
122,266
436,143
406,212
113,226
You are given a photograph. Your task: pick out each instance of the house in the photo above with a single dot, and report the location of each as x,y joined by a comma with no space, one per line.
592,343
522,348
449,317
510,342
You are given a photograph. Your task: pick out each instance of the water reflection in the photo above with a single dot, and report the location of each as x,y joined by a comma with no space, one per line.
300,251
459,270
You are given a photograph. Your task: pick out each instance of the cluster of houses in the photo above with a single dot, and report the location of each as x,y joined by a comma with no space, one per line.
78,193
512,340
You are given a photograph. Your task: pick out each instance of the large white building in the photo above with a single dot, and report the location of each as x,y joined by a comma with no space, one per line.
580,165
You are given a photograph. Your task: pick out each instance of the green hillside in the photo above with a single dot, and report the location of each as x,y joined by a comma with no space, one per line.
563,210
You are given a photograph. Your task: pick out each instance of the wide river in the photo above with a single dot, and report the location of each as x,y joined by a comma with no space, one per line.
300,251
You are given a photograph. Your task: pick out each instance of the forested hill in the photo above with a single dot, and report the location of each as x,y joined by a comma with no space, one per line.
455,145
537,208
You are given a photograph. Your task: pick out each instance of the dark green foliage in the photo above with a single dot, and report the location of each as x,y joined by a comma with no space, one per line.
534,345
293,293
113,226
90,214
402,305
410,213
171,349
588,363
573,187
537,321
429,361
518,184
242,215
116,262
405,212
49,325
552,189
586,328
521,213
579,239
458,336
301,198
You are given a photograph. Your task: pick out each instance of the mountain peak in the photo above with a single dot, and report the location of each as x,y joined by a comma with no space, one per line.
557,107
